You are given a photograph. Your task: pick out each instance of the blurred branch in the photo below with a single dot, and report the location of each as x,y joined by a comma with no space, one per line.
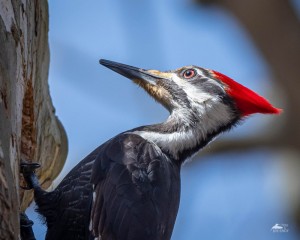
236,145
275,30
266,139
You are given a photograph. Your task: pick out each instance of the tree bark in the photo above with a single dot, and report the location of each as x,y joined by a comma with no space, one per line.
29,129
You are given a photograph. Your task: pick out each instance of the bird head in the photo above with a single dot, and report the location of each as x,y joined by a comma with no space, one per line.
196,89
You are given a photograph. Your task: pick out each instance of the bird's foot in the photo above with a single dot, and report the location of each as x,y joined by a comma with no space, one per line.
26,227
28,171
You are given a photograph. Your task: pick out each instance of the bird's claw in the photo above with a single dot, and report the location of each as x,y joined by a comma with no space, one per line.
28,169
26,227
26,188
25,221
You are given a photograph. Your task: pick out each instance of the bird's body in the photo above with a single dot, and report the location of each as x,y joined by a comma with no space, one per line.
137,187
129,187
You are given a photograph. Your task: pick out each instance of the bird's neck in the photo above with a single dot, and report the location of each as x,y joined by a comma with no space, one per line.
185,132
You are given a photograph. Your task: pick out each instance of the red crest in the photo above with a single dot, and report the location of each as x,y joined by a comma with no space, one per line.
247,101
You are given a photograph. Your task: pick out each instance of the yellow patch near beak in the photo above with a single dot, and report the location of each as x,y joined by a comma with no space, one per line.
156,91
160,74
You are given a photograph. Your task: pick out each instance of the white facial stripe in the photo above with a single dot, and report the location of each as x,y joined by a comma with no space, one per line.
193,93
210,118
172,142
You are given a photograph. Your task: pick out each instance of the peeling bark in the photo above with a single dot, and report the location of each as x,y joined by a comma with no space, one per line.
29,129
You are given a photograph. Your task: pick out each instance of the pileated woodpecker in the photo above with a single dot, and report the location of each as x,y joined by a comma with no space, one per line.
129,187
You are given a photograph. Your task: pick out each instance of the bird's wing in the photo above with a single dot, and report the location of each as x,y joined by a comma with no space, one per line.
133,184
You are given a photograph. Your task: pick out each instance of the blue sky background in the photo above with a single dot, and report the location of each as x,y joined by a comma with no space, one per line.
232,196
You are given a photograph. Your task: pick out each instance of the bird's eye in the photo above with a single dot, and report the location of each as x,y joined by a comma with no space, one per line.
189,73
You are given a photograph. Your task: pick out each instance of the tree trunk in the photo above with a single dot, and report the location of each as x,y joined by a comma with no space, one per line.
29,129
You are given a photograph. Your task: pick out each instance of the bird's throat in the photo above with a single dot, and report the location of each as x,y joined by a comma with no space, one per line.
183,134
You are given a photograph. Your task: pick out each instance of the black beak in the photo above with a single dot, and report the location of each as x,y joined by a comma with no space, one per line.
130,72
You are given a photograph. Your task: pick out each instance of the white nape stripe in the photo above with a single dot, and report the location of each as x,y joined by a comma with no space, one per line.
172,142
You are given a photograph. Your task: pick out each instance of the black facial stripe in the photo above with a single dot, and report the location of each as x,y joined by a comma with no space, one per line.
205,72
208,85
199,81
227,100
177,93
